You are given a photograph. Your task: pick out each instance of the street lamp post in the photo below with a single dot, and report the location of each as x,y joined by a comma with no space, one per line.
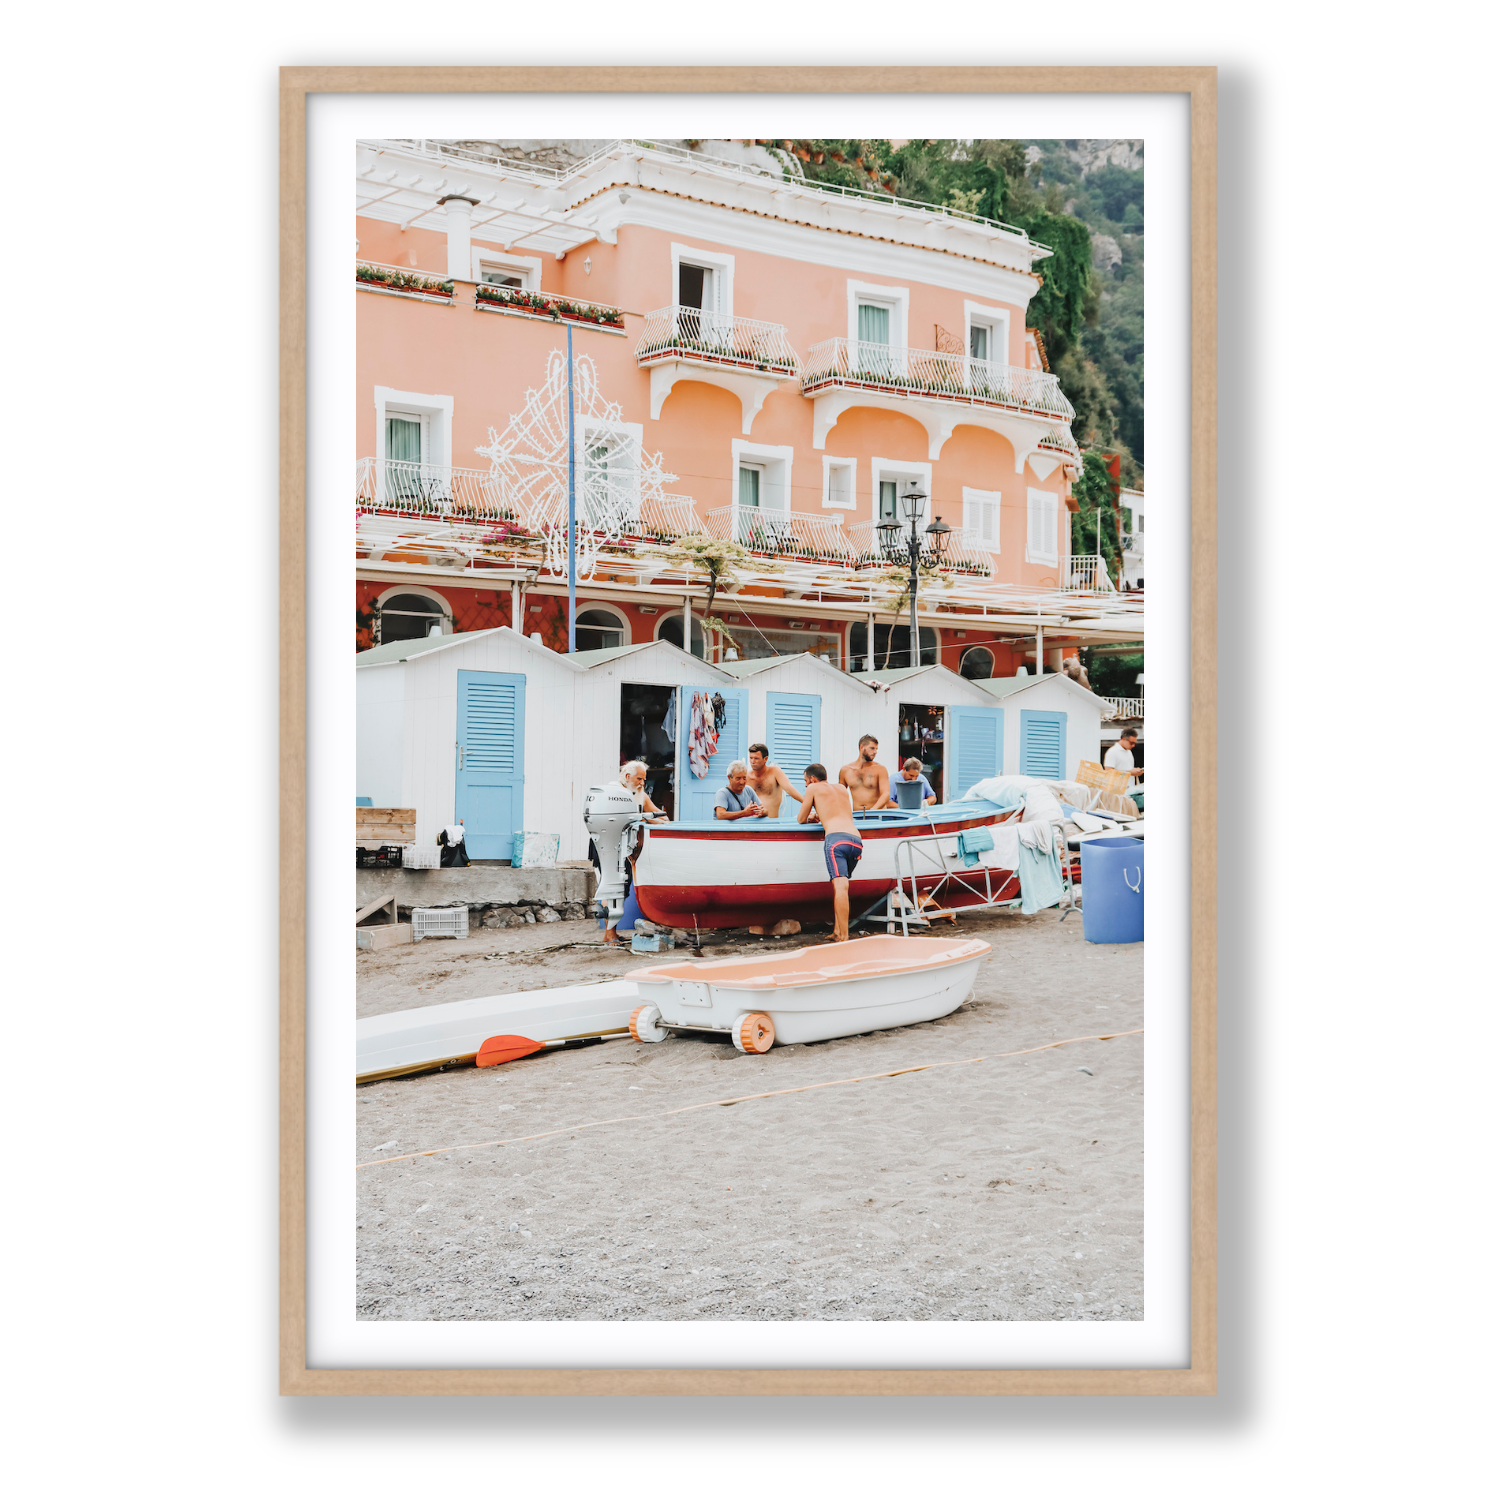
894,546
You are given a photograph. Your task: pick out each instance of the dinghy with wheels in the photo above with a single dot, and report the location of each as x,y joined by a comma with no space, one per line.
811,994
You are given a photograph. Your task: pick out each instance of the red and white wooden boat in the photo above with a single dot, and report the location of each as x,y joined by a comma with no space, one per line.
753,872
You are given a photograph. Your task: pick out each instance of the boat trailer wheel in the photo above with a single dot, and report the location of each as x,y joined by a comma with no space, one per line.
645,1024
753,1032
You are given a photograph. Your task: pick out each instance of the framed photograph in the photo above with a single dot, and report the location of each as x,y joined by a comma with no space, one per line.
754,987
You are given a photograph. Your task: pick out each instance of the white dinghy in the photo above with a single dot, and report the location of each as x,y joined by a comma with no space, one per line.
810,995
495,1029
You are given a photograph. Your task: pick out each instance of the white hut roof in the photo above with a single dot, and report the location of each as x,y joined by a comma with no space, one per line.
1005,687
761,663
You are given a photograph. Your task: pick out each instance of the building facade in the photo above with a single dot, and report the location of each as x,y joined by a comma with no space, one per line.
752,358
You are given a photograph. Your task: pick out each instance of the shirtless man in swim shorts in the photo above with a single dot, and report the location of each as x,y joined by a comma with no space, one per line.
868,781
769,781
842,845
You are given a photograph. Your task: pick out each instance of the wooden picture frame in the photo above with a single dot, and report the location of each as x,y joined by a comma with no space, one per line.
1198,1377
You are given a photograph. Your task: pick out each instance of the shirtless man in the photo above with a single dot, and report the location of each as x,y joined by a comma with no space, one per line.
868,781
842,845
769,781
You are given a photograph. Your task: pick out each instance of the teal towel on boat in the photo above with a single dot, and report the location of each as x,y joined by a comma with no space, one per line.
1041,880
973,842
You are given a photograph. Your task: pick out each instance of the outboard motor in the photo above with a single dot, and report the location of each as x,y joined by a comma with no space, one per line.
610,815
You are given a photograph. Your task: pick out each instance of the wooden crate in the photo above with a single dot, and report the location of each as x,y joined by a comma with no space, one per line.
1091,773
374,826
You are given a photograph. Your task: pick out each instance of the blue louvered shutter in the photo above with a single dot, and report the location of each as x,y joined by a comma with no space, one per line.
1044,743
975,748
490,761
793,736
695,796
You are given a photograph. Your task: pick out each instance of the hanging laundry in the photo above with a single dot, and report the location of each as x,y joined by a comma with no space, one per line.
669,724
703,735
721,711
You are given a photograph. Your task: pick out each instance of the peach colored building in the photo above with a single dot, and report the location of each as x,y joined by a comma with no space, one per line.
753,358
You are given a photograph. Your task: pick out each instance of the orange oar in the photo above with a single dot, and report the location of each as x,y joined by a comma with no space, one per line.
504,1049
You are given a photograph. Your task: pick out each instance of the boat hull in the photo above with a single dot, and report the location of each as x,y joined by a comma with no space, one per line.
411,1041
927,978
697,875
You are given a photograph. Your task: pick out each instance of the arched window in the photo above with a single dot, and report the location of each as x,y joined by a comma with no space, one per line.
670,629
597,627
410,617
977,662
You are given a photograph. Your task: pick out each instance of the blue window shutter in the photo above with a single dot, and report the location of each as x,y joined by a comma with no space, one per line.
490,780
1044,743
793,735
695,796
975,749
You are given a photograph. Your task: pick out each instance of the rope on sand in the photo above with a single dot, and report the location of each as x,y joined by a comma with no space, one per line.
953,1062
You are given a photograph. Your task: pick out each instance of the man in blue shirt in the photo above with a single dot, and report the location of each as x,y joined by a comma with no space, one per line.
737,800
911,770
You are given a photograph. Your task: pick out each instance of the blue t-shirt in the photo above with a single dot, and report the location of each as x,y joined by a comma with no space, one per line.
731,802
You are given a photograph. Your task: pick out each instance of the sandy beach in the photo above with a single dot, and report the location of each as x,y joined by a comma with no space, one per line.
1009,1188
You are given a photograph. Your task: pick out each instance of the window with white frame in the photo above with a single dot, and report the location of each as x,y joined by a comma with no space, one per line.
877,327
609,473
982,517
409,612
889,480
988,337
413,445
598,626
761,485
703,293
838,483
496,268
1041,526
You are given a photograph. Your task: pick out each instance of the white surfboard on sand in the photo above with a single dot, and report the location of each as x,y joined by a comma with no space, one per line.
409,1041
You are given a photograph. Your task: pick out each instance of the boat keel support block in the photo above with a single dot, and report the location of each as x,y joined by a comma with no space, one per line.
754,1032
645,1024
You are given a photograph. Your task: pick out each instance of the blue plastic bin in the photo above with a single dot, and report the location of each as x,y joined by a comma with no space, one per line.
1114,890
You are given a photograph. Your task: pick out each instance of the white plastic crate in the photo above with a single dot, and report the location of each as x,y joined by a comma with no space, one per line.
530,849
439,921
420,856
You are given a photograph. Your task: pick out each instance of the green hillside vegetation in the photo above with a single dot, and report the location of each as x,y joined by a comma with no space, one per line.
1091,319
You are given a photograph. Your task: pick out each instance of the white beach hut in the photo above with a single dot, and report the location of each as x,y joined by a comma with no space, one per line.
803,709
1050,724
948,722
495,731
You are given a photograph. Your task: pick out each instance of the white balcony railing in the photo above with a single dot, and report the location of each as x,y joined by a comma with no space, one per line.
666,517
1130,542
965,552
1088,573
430,490
492,298
1124,708
782,533
933,375
693,333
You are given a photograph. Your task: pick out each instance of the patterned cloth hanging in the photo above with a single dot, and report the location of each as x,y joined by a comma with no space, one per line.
703,735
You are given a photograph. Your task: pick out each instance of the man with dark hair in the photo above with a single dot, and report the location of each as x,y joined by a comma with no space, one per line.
842,845
769,781
1121,756
868,781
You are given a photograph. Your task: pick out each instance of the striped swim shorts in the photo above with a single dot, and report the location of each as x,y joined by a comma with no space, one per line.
841,852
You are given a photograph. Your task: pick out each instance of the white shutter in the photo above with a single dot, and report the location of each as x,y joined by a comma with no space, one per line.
1041,526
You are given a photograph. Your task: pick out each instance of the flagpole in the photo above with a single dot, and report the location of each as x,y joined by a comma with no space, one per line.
572,511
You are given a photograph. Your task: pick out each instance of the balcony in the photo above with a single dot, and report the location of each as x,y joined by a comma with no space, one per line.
941,391
782,534
1124,708
438,490
1088,574
964,554
743,356
402,281
664,518
549,305
1130,542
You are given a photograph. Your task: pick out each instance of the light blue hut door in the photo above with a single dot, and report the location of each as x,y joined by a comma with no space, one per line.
695,796
975,750
490,761
793,734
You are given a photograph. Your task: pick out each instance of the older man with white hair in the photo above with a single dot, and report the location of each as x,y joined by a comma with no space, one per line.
738,800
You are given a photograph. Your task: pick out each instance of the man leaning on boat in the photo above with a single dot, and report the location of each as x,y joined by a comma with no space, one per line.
842,846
